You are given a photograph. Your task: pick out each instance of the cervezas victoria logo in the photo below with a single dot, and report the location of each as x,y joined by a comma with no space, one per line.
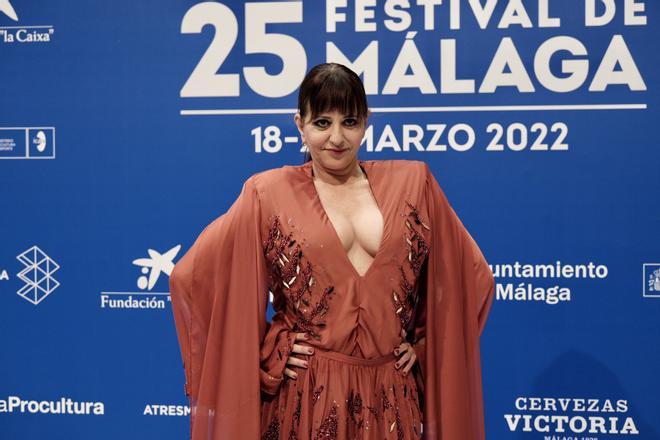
21,33
567,418
152,269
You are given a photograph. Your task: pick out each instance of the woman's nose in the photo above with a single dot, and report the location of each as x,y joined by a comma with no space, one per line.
336,135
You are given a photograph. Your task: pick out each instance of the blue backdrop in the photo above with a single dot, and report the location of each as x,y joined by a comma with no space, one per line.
126,127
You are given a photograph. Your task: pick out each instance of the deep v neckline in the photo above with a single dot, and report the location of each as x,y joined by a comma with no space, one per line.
333,231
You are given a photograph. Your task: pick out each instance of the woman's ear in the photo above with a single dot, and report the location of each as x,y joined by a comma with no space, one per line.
299,124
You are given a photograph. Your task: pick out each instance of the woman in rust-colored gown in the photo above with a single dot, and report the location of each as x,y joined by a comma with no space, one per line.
380,295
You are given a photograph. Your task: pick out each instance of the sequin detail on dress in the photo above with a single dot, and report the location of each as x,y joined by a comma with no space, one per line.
296,417
399,426
418,249
330,426
292,274
373,410
273,431
354,407
317,394
296,414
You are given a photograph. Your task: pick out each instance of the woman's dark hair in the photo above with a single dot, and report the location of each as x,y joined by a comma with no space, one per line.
332,86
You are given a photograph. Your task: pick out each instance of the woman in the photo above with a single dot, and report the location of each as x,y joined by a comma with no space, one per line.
380,295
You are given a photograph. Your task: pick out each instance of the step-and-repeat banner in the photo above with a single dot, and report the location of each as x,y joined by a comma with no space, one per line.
126,127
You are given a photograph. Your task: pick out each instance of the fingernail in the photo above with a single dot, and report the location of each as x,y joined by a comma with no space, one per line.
310,351
396,365
396,351
306,364
405,372
306,335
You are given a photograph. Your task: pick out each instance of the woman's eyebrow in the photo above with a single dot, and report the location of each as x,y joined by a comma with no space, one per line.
327,115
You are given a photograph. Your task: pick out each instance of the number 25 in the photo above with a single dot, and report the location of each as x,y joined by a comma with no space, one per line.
205,82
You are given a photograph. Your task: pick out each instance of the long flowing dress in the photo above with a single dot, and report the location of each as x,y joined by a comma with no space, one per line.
428,277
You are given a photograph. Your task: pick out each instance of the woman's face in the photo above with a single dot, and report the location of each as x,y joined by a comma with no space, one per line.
333,138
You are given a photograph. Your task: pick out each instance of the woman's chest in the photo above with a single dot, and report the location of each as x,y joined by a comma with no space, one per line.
354,216
305,235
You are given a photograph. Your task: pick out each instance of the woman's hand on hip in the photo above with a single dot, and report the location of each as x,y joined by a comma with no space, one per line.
407,354
294,361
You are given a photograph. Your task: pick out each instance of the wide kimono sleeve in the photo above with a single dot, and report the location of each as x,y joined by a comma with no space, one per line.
219,300
457,289
275,350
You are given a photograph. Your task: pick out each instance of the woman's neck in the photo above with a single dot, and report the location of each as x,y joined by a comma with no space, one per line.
351,174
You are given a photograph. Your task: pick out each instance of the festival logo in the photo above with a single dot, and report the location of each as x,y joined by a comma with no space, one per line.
23,33
37,275
651,287
152,268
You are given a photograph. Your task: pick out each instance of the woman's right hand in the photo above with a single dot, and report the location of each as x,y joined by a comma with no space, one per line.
301,349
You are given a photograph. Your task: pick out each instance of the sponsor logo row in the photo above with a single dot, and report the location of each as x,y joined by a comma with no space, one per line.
39,279
516,282
555,416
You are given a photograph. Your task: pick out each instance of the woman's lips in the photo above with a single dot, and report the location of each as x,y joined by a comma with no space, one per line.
337,153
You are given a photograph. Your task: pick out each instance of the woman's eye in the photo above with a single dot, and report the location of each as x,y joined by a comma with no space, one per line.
321,123
350,122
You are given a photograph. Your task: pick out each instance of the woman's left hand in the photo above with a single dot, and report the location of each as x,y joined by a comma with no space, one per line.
407,354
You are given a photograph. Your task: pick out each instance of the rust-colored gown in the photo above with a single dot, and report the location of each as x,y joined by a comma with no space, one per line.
428,277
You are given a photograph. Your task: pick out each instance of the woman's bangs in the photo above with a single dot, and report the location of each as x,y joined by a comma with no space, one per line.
340,97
